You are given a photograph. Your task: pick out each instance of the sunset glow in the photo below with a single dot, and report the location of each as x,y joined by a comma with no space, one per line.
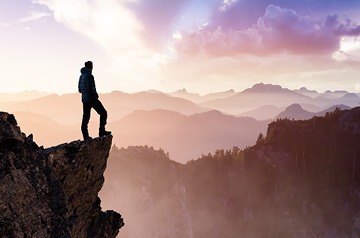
203,46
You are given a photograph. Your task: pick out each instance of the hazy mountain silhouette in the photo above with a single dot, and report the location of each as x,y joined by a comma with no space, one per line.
196,98
307,92
120,104
301,180
140,127
296,112
255,97
67,109
265,112
267,94
349,99
213,96
336,93
173,123
184,137
268,88
22,96
46,131
183,93
205,132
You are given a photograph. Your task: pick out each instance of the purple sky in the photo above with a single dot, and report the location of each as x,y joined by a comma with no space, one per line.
203,46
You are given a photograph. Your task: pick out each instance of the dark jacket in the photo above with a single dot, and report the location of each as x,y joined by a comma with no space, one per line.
87,86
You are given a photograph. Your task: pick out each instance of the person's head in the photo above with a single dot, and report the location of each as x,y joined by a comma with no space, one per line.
89,65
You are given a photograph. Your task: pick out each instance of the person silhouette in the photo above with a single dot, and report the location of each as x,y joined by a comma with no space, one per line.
90,99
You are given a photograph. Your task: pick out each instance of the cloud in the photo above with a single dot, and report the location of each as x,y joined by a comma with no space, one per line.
158,18
278,30
110,25
33,16
226,4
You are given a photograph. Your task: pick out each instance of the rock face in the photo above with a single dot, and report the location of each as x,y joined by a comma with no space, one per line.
52,192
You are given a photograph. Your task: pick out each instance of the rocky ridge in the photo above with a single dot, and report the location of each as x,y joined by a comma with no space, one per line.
52,192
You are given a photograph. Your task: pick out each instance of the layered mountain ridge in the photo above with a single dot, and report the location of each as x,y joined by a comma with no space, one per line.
300,180
160,119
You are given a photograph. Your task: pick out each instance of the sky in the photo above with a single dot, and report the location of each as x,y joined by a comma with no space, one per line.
201,45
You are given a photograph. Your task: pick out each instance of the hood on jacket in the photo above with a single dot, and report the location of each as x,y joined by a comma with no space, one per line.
85,70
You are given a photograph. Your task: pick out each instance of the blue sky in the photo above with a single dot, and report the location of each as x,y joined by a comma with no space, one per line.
204,46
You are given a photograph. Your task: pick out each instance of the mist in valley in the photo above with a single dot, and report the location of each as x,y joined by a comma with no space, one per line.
182,168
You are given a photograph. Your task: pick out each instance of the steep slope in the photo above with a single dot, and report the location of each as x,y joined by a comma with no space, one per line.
52,192
301,180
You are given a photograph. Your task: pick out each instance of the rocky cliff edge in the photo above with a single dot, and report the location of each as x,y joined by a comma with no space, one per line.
52,192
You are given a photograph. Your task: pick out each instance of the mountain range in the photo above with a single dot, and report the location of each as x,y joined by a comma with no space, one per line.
172,121
300,180
184,137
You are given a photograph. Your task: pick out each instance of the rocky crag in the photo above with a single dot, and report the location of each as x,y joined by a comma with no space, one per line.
52,192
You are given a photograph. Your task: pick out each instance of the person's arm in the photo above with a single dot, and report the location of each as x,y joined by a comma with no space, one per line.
79,85
93,87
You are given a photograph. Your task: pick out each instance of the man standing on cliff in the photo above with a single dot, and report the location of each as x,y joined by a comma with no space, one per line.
90,99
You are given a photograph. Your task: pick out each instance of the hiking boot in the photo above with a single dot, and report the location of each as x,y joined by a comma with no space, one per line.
104,133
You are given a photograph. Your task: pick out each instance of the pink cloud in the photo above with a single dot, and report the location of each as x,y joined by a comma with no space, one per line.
278,30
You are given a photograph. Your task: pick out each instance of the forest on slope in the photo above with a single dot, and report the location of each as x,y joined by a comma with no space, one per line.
300,180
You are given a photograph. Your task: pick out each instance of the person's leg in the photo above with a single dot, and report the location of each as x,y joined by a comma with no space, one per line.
99,108
85,120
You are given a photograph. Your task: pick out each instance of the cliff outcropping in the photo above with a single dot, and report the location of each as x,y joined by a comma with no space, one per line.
52,192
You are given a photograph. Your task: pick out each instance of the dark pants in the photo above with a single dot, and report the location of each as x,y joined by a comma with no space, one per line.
99,108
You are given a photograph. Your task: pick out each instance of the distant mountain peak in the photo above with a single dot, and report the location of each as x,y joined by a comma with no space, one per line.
295,111
350,96
183,90
305,90
294,108
267,88
154,91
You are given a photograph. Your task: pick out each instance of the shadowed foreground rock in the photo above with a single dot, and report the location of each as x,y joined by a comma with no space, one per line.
52,192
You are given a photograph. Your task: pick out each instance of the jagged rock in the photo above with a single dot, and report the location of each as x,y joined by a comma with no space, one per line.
52,192
9,131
